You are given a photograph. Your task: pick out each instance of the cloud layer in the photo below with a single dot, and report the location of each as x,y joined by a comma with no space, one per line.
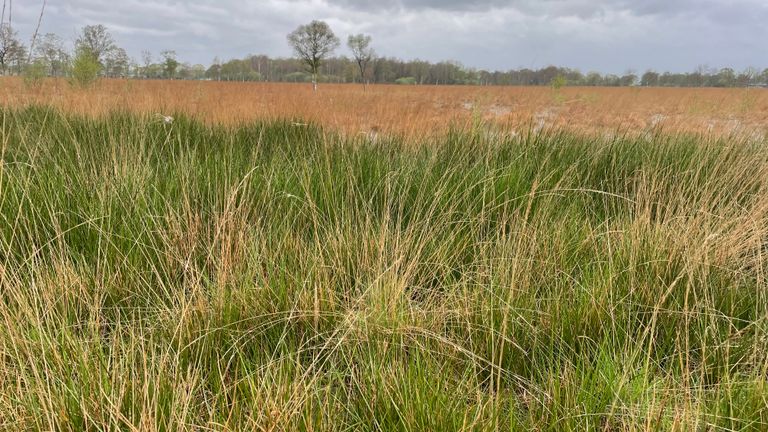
603,35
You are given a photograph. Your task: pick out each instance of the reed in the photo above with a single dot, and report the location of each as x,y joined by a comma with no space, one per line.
416,111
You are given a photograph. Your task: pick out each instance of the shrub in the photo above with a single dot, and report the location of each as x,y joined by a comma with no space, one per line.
85,69
298,77
559,82
406,81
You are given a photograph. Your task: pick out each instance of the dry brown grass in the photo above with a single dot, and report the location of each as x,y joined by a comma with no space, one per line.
417,110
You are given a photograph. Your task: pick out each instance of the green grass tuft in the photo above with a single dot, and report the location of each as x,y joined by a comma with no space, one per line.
281,277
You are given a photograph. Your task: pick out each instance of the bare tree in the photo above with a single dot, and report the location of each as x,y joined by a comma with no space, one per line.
12,50
313,43
216,68
96,40
360,45
146,58
50,49
117,63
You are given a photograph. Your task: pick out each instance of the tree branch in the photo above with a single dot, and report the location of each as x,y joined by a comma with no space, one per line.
37,30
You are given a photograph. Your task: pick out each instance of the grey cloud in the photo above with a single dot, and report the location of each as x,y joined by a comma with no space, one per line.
450,5
578,8
606,35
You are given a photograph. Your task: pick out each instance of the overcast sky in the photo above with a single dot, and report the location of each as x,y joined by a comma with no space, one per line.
603,35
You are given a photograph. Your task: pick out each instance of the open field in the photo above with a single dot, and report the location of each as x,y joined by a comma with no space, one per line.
271,277
413,110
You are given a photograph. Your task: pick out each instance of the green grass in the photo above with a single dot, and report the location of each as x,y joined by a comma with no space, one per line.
280,277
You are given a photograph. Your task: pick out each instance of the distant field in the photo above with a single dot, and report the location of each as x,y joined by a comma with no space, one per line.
273,276
418,110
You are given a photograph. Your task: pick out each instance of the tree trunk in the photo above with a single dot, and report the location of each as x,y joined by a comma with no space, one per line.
314,82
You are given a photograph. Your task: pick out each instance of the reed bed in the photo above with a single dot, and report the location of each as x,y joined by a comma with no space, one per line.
416,111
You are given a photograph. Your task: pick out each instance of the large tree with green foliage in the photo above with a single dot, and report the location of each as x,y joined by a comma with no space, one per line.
96,40
170,64
313,43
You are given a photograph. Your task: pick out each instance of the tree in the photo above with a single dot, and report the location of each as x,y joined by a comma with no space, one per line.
726,78
559,82
360,45
420,70
116,63
313,43
170,64
85,68
749,77
215,68
50,50
629,79
213,72
238,70
12,51
197,71
146,58
134,70
593,79
649,79
96,40
764,78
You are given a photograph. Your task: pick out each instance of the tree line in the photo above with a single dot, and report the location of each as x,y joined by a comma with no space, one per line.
96,54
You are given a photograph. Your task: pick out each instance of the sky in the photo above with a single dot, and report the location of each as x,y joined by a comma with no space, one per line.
608,36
